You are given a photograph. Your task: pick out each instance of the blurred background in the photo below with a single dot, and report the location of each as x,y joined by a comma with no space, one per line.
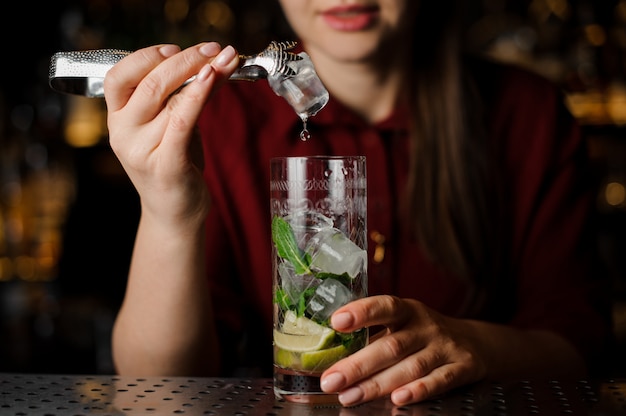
68,213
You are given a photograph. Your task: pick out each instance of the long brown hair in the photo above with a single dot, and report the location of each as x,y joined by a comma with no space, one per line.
451,204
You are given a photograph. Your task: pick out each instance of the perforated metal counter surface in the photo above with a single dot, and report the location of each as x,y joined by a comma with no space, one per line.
61,395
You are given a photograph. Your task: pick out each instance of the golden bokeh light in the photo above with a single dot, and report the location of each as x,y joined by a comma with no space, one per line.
615,194
86,122
176,11
216,14
596,35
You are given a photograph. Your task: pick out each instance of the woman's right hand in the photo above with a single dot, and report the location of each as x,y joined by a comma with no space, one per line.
151,123
165,325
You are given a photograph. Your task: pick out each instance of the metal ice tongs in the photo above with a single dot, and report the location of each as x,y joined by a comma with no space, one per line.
82,72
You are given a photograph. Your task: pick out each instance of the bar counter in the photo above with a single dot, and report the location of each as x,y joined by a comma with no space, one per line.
75,395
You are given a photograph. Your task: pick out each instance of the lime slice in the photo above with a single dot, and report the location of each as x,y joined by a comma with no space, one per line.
322,359
285,359
301,325
301,343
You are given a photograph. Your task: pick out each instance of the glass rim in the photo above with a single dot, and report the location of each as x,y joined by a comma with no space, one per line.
317,157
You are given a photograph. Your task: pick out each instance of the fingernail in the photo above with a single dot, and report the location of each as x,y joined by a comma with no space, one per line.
169,50
226,55
332,382
210,49
351,396
341,320
401,397
204,72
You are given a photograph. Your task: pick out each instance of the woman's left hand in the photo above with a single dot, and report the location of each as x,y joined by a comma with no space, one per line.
420,354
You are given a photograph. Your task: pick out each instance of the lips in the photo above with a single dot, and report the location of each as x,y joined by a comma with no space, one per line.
351,18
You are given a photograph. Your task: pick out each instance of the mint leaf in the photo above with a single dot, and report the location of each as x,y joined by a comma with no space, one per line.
304,299
282,299
344,278
287,247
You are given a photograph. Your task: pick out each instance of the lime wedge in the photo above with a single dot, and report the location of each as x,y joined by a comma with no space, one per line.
322,359
286,359
301,325
301,343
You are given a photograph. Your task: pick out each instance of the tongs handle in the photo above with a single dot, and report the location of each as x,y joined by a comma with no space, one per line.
83,72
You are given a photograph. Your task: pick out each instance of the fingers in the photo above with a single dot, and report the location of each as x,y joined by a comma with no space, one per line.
385,310
122,79
188,103
439,381
415,372
386,363
368,365
139,89
414,378
418,355
144,81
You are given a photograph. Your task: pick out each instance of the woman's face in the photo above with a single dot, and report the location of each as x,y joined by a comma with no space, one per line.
349,30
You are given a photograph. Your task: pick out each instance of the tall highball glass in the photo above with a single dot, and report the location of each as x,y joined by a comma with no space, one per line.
319,216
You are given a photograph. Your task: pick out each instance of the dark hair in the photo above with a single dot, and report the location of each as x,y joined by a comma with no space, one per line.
451,203
449,190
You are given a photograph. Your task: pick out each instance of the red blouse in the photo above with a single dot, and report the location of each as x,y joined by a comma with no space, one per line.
549,198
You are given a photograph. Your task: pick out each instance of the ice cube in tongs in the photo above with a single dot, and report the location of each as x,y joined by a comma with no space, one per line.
83,72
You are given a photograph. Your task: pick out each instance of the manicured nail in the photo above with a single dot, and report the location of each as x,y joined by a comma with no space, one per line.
204,72
169,50
351,396
401,397
226,55
332,382
341,320
210,49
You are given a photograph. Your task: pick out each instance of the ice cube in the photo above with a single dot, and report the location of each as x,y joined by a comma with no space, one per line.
303,91
305,220
332,252
328,297
294,284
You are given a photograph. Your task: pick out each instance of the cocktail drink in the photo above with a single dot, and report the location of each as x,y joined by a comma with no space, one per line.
318,207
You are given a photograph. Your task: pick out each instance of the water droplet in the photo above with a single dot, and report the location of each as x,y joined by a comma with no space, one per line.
304,134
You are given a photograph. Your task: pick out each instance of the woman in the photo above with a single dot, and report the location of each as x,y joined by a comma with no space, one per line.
478,201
